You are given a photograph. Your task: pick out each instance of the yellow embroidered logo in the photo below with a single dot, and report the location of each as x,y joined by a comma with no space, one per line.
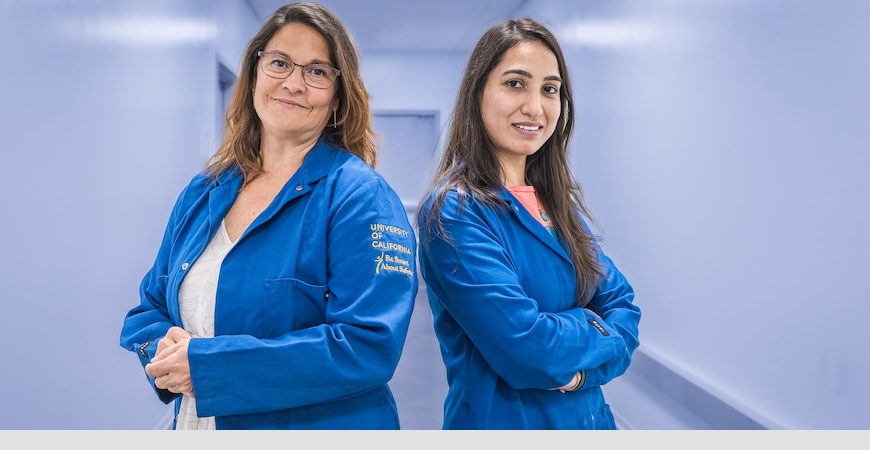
393,257
379,260
389,263
380,232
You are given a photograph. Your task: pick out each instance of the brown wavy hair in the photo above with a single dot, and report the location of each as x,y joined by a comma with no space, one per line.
352,129
470,166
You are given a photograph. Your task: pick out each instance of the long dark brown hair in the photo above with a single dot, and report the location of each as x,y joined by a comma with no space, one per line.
352,129
470,166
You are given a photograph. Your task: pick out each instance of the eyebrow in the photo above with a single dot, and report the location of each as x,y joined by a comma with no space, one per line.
529,75
286,56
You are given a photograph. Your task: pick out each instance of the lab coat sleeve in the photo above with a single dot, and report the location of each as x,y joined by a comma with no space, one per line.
472,276
613,302
371,287
147,323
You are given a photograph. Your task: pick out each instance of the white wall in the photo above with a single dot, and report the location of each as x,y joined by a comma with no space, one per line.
723,146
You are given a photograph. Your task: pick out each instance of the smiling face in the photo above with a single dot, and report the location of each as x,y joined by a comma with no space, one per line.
288,108
521,104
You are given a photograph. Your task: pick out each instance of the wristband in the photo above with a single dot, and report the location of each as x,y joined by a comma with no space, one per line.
581,379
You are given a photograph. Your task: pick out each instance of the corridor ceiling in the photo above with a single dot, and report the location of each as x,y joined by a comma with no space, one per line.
411,25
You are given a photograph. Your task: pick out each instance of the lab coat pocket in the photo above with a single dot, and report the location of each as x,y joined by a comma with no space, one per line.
291,304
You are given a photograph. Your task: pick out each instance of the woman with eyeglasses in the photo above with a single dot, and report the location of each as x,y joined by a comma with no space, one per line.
532,316
281,295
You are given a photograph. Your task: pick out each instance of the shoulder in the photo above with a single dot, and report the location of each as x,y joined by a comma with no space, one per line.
196,187
350,173
351,164
203,182
356,193
453,203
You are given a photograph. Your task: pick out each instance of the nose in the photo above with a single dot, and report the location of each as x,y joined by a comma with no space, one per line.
532,106
294,81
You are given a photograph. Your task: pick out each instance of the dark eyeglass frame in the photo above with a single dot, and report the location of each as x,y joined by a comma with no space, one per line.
293,65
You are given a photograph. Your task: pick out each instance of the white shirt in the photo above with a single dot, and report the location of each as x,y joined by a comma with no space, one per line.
196,299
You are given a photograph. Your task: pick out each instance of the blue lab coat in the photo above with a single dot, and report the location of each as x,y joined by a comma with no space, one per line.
502,295
313,301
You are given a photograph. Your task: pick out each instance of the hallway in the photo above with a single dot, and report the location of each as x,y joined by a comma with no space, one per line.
420,382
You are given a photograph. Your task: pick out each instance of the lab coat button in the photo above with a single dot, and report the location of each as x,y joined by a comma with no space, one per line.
184,266
298,188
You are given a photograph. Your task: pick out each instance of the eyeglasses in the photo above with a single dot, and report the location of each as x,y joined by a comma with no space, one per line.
319,76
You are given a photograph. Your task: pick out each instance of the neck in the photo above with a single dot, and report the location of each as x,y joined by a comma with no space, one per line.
280,156
513,172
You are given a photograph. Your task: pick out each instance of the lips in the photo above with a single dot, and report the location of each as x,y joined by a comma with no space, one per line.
286,102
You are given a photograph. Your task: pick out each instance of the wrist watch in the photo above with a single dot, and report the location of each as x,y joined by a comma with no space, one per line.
142,349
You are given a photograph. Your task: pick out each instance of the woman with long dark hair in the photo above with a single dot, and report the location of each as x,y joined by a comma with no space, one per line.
531,315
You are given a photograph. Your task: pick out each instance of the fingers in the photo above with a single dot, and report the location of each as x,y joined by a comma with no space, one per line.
165,352
161,364
162,382
162,354
176,334
174,384
171,370
180,388
173,336
186,389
